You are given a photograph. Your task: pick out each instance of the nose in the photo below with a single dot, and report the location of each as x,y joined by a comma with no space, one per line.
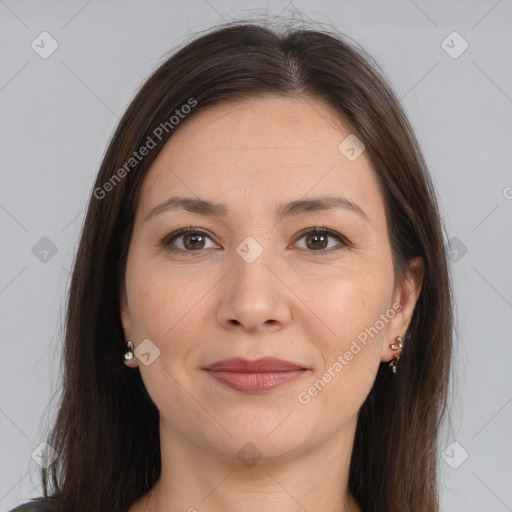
253,296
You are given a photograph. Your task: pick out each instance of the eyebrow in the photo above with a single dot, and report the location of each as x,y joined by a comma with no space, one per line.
298,207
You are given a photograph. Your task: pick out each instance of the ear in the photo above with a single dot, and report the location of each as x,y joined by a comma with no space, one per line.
126,321
406,295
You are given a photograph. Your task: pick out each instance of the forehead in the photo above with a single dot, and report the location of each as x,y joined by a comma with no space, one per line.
256,147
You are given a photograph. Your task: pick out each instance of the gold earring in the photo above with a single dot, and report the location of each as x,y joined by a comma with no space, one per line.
395,346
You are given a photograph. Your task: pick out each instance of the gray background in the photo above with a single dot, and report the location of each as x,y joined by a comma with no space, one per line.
58,113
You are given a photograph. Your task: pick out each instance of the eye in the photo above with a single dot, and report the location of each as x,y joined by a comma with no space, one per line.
188,240
317,240
193,240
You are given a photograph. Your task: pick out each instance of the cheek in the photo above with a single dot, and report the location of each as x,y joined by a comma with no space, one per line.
349,348
348,305
348,323
161,307
168,307
156,303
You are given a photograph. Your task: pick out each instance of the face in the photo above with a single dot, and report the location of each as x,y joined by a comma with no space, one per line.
253,279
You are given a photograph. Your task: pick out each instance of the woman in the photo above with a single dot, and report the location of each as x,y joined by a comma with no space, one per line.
264,252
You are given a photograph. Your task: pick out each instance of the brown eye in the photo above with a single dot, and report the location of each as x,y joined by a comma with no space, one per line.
187,240
317,240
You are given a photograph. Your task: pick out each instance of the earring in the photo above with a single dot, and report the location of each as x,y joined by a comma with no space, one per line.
129,353
395,346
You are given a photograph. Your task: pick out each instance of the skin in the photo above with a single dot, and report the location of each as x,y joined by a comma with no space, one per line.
292,302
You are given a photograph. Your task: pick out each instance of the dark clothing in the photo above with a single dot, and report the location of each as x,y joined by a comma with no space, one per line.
39,505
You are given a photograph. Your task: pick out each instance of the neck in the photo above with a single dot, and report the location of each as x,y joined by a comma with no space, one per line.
194,478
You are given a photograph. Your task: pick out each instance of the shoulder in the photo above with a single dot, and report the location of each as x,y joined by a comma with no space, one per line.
36,505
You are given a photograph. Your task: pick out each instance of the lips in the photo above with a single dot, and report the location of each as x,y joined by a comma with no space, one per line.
265,364
255,376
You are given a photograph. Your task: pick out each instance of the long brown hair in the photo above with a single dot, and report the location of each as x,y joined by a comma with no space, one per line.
106,430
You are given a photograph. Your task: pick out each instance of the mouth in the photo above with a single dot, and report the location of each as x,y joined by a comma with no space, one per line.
255,376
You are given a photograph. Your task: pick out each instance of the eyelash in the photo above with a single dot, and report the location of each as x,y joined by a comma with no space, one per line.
344,242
